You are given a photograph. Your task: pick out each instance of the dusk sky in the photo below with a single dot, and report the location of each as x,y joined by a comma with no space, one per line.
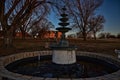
110,9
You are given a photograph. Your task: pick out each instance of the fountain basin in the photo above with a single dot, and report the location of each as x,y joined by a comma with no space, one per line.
4,73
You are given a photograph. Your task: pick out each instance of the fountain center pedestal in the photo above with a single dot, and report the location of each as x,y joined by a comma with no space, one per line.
64,56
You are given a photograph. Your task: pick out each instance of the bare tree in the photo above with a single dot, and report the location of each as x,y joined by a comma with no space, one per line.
96,24
104,35
118,35
40,28
14,14
38,15
23,28
81,11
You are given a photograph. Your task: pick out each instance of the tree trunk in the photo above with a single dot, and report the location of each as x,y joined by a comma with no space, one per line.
84,36
94,34
23,35
8,39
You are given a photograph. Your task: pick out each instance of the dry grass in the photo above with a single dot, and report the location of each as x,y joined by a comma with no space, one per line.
100,46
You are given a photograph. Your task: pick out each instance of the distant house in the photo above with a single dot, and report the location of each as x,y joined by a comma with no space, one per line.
19,34
47,34
53,34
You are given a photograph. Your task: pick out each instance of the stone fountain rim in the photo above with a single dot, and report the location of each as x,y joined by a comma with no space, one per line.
58,47
5,60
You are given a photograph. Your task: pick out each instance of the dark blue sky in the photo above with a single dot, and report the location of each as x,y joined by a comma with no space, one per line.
110,9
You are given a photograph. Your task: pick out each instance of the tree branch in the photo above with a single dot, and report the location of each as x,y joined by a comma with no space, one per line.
15,3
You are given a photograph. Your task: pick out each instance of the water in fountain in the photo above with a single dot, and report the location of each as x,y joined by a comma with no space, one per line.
39,57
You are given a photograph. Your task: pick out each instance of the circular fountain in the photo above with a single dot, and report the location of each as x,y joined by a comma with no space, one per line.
60,63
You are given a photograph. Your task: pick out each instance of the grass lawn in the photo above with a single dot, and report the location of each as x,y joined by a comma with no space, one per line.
100,46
